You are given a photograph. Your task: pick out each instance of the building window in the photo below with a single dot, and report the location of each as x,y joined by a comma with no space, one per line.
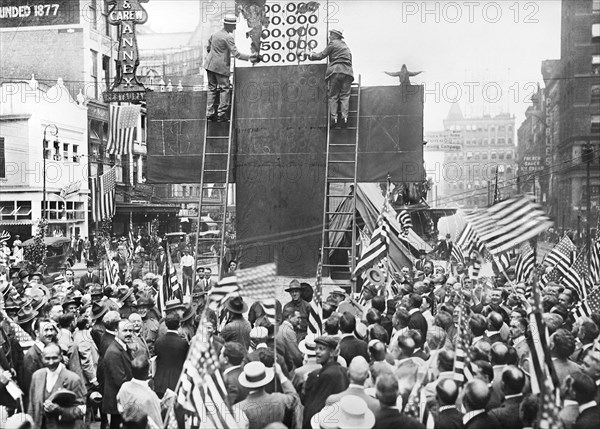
595,94
595,124
510,141
107,25
15,210
65,151
595,30
493,141
493,155
94,72
501,155
509,155
75,154
92,14
595,6
484,155
106,72
2,159
596,64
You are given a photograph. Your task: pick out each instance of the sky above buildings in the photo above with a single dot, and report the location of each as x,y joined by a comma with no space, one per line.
485,55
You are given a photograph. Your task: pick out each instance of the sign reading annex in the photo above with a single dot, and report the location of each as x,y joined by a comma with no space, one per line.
32,13
126,14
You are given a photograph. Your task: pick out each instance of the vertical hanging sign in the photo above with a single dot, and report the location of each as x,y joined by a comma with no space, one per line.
126,14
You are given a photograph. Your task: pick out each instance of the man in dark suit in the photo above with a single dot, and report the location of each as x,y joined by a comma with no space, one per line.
583,389
322,383
171,351
161,260
350,346
416,320
117,370
231,358
389,416
448,417
476,397
495,322
46,332
513,381
444,248
88,277
286,339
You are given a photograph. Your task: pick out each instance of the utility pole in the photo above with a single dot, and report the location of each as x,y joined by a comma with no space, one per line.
587,156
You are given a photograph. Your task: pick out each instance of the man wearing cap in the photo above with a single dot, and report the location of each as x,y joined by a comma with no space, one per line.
339,74
56,395
280,406
149,330
320,384
299,305
88,277
221,47
126,298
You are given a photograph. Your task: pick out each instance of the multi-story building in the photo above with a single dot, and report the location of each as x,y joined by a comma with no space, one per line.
573,102
43,143
439,145
488,151
73,40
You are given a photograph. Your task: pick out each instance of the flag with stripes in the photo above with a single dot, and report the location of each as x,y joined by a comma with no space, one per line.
103,190
405,223
122,125
379,244
461,357
561,255
170,287
509,223
588,305
315,316
468,241
543,375
257,283
457,254
595,262
525,263
112,271
201,389
576,277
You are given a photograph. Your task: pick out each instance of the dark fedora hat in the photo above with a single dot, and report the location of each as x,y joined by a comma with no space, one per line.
70,299
63,398
98,310
236,305
124,292
188,313
90,264
144,300
36,273
26,314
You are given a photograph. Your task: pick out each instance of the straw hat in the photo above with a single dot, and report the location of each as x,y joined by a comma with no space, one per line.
256,375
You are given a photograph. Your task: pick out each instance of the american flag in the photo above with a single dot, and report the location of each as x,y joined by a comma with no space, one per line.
525,263
405,223
587,306
469,241
315,316
561,255
509,223
379,245
122,124
595,262
457,254
461,357
257,283
543,375
576,277
112,271
103,190
201,388
170,288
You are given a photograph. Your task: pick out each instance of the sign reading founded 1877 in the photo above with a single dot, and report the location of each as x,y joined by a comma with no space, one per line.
126,14
33,13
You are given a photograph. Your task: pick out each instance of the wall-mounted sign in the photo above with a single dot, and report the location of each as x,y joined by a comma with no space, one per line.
71,189
33,13
126,14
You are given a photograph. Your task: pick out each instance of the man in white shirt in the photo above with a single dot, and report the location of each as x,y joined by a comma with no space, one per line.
187,269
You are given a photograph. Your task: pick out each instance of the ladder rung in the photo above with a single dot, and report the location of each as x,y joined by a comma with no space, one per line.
342,248
212,187
352,111
215,171
341,213
340,179
350,128
209,239
216,153
343,144
340,162
339,195
336,230
217,137
336,266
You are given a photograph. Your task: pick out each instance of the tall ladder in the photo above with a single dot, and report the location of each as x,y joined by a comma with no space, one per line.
342,151
218,144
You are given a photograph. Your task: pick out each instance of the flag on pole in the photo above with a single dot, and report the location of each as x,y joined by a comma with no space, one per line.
201,389
560,257
468,241
112,271
525,263
576,277
405,223
103,190
509,223
379,245
122,125
595,262
170,287
461,357
315,315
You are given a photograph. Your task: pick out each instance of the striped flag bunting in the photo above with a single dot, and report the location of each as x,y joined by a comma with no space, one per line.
509,223
257,283
561,255
467,242
525,263
457,254
379,244
170,287
111,271
122,125
315,316
201,389
587,306
405,223
461,357
103,190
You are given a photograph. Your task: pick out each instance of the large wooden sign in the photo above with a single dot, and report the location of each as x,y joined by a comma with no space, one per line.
126,14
